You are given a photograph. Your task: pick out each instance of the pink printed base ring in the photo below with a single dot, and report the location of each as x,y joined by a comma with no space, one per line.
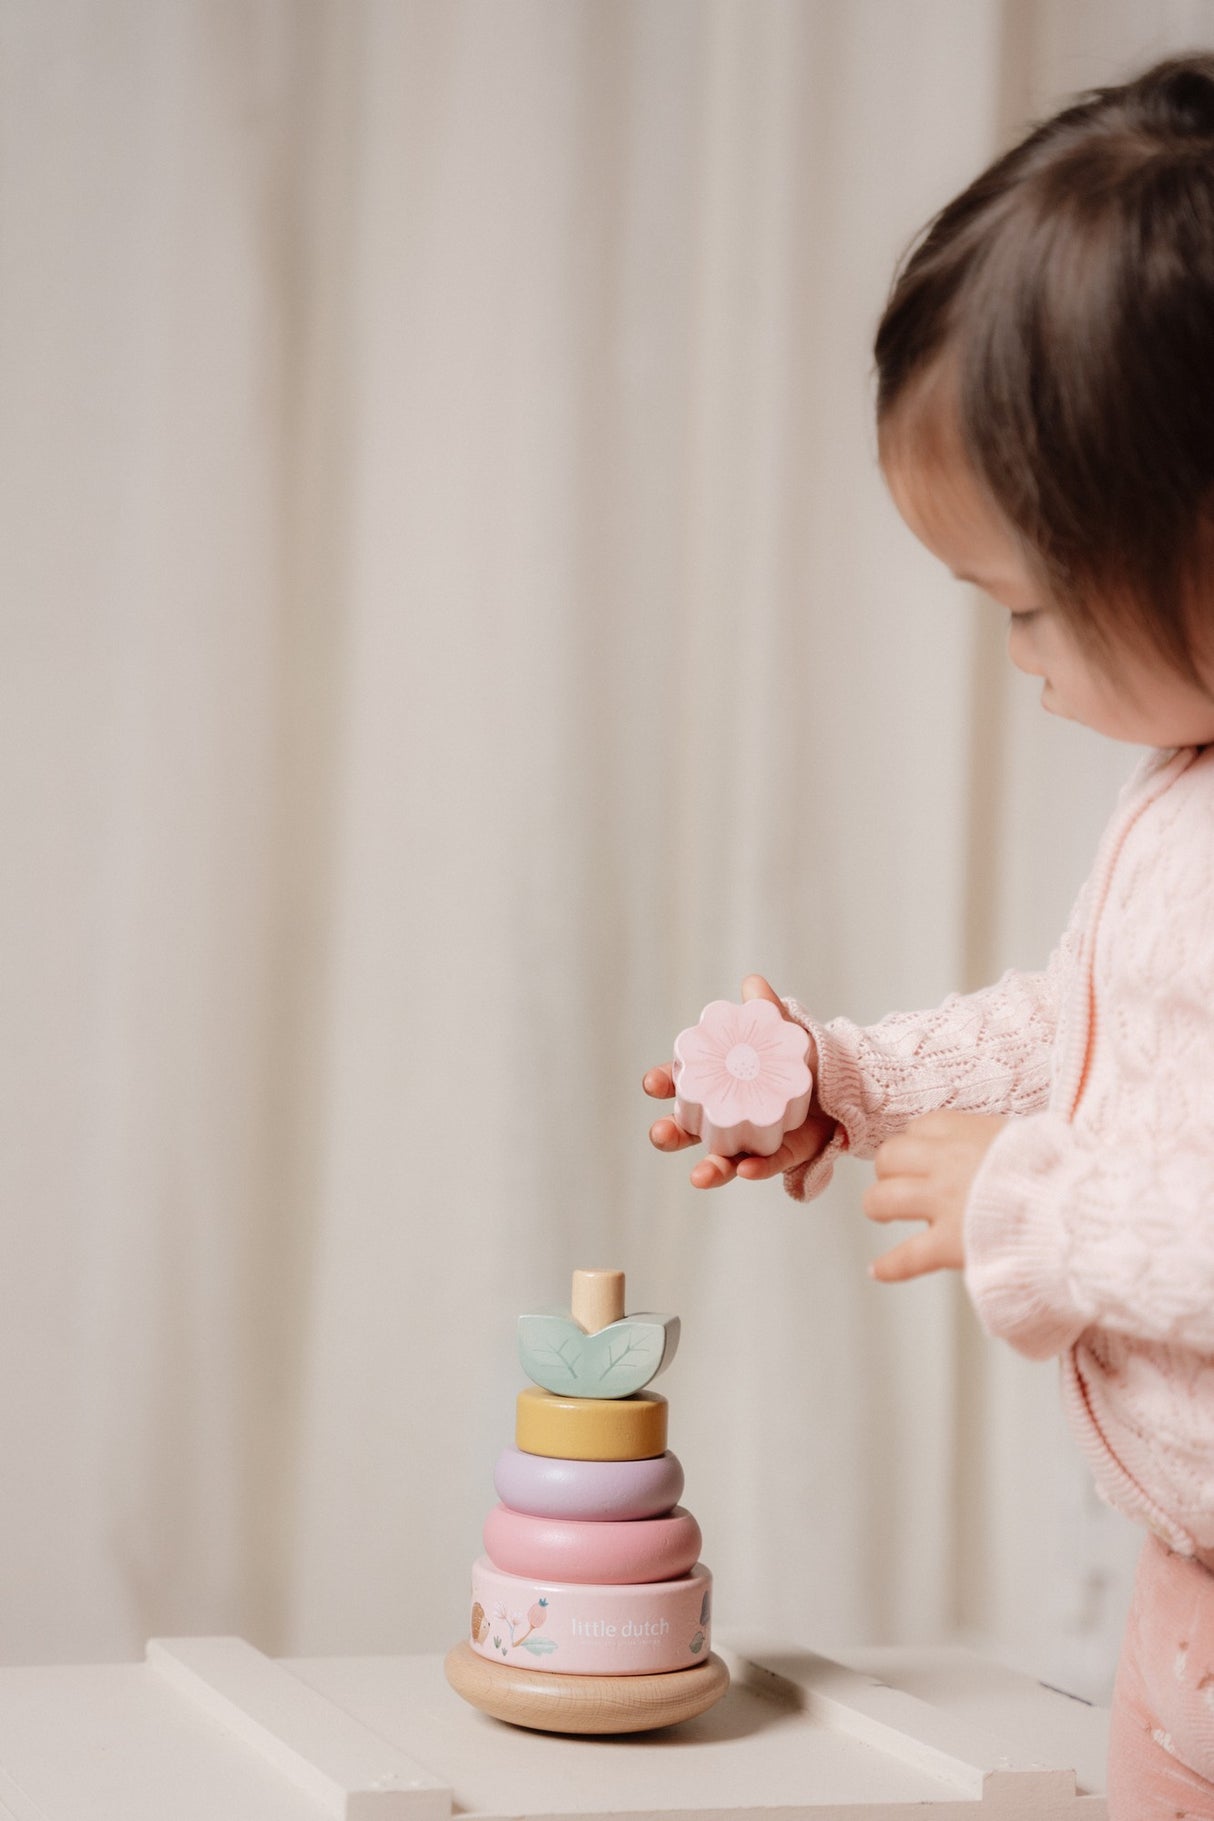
580,1628
741,1078
594,1490
640,1550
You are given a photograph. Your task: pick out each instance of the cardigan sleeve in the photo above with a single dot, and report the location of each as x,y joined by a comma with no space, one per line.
1104,1218
1065,1230
984,1052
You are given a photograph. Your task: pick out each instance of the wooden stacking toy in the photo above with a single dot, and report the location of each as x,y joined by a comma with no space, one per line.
741,1078
590,1606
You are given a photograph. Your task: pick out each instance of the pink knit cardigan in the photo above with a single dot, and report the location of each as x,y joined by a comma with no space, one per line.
1089,1231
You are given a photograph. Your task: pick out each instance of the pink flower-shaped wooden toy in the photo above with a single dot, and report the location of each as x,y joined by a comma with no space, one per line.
741,1079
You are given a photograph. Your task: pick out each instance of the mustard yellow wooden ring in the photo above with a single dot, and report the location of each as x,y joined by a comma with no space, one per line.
591,1428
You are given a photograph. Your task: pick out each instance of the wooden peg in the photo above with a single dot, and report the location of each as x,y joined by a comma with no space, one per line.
598,1299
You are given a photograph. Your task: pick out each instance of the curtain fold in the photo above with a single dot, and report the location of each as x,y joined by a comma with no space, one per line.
453,628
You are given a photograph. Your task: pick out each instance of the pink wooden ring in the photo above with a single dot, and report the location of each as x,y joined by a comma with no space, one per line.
595,1490
645,1549
586,1630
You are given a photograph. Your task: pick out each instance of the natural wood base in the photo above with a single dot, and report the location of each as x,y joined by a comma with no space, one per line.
584,1704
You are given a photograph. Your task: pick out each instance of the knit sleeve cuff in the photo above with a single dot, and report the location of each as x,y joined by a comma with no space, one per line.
836,1085
809,1179
839,1080
1015,1240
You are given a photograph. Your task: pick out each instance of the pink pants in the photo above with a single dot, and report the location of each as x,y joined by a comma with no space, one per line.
1161,1741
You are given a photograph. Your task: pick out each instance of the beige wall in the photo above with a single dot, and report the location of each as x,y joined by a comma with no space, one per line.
452,627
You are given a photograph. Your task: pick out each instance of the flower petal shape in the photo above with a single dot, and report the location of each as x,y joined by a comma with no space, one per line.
741,1077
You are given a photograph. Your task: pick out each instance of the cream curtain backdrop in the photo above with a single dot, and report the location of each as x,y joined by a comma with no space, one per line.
452,628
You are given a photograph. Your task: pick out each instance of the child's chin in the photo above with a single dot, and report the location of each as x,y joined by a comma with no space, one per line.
1053,704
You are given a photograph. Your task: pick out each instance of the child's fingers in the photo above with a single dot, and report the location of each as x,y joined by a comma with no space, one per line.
806,1142
666,1135
899,1198
659,1083
711,1172
759,1169
789,1155
904,1155
755,987
913,1258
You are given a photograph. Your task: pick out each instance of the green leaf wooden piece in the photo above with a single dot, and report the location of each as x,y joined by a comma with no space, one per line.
617,1361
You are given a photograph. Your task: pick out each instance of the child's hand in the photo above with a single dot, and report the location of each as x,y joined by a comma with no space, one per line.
712,1171
925,1173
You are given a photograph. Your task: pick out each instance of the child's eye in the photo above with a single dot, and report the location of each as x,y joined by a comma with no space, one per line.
1022,615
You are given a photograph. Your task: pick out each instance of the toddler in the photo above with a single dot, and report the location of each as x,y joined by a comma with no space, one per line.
1046,428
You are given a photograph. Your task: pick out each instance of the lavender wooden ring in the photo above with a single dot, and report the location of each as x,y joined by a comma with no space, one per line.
596,1490
588,1630
640,1549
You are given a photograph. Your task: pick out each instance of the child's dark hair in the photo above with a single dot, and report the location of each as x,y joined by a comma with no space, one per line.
1068,294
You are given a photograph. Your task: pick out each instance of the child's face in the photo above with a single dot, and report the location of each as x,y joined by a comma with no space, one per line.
1131,696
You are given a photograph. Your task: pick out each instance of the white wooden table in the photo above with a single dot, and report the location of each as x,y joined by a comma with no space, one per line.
208,1729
